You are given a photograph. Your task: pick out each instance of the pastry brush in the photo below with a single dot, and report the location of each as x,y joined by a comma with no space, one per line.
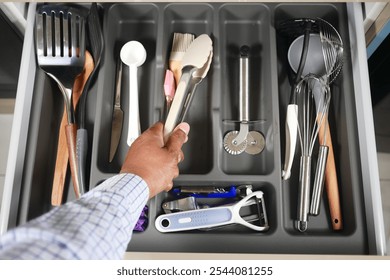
180,44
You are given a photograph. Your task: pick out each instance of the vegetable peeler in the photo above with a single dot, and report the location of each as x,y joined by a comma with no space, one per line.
216,216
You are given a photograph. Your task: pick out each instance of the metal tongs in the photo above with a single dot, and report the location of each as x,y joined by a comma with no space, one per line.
196,64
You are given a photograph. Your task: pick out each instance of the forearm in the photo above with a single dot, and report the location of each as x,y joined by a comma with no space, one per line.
97,226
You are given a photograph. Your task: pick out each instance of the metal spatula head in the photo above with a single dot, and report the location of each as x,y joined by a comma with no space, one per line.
60,41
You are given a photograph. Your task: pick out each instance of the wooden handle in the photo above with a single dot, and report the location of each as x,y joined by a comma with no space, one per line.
61,165
331,184
70,131
62,158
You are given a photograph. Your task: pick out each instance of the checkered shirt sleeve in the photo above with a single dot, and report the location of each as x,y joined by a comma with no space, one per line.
99,225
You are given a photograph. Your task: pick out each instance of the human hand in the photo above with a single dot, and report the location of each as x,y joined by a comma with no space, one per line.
155,162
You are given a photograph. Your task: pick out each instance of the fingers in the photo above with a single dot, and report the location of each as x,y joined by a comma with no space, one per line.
157,131
178,137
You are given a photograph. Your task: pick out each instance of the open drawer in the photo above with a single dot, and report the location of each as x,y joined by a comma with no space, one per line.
230,25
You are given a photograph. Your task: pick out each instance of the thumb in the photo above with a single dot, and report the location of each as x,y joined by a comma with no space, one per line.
178,137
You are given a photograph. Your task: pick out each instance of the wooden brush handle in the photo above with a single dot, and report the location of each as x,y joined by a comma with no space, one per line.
331,184
70,131
62,158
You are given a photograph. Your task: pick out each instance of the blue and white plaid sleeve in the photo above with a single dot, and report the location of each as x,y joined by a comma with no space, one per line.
97,226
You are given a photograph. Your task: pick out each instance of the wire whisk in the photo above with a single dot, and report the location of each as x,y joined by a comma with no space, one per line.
313,99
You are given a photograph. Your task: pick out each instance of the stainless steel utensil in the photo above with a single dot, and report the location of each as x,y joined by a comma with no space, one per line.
290,28
196,79
117,115
181,204
235,142
310,119
60,48
321,94
332,49
196,57
95,36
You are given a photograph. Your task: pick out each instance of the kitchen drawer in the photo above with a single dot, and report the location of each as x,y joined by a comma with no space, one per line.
230,25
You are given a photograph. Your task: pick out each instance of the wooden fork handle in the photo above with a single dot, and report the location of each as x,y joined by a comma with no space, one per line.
331,184
71,130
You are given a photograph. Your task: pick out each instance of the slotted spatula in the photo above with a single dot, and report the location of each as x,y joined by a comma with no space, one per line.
60,49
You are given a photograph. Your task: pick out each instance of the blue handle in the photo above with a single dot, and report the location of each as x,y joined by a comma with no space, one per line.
230,193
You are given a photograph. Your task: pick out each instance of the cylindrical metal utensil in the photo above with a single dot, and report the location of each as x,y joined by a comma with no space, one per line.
304,193
244,84
235,142
319,179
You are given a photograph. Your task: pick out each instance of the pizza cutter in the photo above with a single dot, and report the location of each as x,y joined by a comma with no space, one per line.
235,142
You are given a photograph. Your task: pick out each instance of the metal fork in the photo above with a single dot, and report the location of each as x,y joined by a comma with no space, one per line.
60,48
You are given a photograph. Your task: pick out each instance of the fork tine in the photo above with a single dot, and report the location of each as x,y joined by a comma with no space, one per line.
82,37
65,34
73,35
48,37
57,35
78,43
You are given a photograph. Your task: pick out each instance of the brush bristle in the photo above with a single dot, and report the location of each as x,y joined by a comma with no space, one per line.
181,41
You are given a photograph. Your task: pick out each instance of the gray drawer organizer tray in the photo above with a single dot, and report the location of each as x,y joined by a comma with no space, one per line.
215,105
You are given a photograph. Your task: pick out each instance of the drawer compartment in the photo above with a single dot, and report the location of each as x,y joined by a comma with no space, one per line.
213,113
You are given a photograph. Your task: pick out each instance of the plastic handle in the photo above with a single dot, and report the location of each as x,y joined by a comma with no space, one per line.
291,139
195,219
134,129
81,154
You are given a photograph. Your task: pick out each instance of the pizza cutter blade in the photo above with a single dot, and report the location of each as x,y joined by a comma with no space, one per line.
255,143
231,145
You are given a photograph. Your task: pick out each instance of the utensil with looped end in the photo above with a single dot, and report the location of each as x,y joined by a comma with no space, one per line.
310,119
60,49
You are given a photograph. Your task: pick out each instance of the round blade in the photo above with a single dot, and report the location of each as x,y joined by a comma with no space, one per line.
255,143
233,148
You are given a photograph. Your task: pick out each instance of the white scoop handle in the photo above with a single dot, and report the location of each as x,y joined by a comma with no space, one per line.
134,129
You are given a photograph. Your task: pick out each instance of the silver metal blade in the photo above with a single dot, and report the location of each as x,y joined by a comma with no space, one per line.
116,130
